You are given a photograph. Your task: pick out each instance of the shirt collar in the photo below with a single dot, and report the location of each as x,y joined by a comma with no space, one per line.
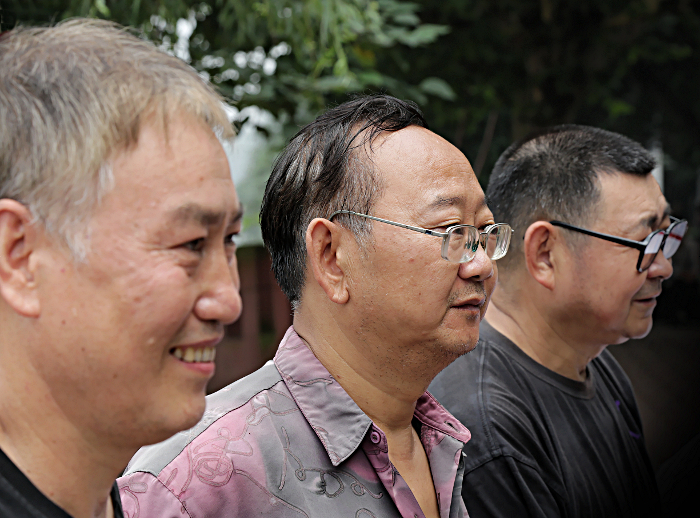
335,418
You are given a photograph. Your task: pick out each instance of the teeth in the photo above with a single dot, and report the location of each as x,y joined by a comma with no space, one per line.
195,354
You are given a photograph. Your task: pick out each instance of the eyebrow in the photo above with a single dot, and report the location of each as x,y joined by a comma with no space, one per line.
203,216
440,202
653,221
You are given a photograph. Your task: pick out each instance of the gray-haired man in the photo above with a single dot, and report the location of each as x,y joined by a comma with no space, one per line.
117,267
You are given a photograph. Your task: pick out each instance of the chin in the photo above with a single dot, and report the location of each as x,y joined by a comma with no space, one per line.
450,352
177,420
638,330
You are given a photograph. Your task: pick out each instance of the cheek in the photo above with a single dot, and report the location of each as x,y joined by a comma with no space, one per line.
147,309
164,295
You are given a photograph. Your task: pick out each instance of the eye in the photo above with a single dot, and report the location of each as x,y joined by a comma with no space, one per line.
230,244
231,239
196,245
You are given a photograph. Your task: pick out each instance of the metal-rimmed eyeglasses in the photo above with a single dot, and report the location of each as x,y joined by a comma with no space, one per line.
459,242
668,240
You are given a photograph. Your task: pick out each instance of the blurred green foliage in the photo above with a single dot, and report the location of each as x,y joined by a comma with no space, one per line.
631,66
290,57
484,71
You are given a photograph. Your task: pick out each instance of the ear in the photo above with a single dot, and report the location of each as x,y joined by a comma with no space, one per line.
538,246
323,240
18,237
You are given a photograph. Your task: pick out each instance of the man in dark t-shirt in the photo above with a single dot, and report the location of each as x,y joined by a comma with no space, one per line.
117,264
555,427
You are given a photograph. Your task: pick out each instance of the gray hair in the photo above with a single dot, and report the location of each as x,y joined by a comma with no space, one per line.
74,95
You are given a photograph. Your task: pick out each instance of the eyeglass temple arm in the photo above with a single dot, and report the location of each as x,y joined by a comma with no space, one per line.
615,239
417,229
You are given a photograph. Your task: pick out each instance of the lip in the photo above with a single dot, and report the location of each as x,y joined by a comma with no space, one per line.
648,299
203,368
211,342
474,302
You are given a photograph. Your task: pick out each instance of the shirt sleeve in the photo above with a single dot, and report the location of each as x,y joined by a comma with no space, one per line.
144,496
504,487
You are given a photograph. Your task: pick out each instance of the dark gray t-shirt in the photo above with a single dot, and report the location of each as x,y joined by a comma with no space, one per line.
20,498
543,444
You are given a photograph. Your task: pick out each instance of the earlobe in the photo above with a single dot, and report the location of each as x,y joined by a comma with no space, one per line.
17,241
538,248
324,251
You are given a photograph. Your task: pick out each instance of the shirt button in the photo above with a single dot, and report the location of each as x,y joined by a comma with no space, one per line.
375,438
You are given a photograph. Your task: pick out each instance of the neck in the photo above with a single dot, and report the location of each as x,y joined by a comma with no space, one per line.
538,334
387,398
72,468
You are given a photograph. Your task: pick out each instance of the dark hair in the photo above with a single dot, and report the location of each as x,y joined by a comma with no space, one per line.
552,174
324,168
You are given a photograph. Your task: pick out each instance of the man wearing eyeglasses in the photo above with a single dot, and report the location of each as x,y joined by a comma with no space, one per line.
556,427
381,239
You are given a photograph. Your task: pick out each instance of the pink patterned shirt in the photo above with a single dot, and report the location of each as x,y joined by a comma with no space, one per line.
287,441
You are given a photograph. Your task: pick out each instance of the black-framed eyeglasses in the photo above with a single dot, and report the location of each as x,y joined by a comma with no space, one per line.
459,242
668,240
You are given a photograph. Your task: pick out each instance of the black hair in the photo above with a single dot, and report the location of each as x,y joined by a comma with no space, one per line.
324,168
553,174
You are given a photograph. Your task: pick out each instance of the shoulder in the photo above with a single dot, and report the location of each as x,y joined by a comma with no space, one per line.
223,407
224,461
496,398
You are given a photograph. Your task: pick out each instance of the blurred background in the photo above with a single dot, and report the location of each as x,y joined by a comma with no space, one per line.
485,72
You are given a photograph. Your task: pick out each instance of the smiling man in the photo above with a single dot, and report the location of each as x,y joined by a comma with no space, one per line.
117,265
556,427
381,239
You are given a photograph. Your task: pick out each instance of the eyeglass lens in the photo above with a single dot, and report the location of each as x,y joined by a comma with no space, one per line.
497,241
674,235
463,243
674,238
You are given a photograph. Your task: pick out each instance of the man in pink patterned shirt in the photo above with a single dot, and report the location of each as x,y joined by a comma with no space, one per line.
381,239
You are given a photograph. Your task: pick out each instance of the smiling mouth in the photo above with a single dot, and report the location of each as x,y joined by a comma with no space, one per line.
194,354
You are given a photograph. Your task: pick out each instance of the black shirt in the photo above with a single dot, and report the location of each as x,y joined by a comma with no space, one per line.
545,445
19,498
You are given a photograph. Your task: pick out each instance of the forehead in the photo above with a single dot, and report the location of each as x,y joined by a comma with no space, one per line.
420,169
631,202
181,165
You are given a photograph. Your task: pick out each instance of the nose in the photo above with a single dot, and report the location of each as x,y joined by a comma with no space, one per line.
661,267
478,269
220,300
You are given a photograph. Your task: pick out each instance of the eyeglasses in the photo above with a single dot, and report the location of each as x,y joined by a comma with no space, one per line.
668,240
459,242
